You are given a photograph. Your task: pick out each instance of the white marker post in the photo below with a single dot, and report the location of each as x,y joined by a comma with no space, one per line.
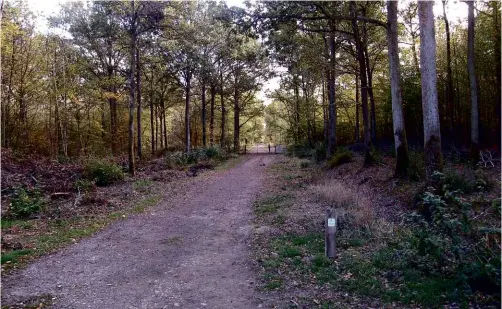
330,237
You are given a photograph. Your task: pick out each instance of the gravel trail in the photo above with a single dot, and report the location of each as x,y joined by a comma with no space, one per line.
190,251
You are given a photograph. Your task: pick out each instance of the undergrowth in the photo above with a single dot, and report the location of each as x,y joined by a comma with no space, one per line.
441,254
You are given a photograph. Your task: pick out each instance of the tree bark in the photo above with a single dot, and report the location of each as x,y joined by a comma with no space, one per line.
432,132
138,94
152,127
236,122
496,28
368,159
473,84
324,110
400,141
187,111
369,75
357,110
449,77
297,109
132,50
223,111
331,97
203,113
211,115
163,124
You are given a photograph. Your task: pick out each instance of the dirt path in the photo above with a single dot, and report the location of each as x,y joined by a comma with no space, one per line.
191,251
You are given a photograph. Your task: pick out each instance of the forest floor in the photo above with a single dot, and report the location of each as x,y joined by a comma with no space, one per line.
371,207
192,250
249,234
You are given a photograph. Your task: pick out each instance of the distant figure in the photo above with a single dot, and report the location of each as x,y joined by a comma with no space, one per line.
268,148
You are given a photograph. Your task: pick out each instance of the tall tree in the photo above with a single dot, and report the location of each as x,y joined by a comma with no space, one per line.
432,132
473,84
400,142
364,86
449,77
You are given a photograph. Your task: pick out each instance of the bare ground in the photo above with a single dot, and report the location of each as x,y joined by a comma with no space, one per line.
190,251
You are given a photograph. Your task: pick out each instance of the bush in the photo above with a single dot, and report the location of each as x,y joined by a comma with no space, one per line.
446,242
180,159
213,152
320,152
102,172
25,203
300,150
342,156
456,181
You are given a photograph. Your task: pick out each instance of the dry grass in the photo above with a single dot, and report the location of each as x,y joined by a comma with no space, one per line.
345,201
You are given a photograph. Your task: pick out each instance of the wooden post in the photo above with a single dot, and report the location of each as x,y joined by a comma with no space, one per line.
245,146
329,238
275,148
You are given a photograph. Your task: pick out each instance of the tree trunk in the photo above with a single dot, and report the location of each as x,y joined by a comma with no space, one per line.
473,84
132,51
414,53
6,104
138,94
400,141
152,127
297,109
236,122
324,111
357,110
449,78
203,114
223,111
432,132
157,130
370,85
368,159
163,124
187,112
331,97
496,28
211,115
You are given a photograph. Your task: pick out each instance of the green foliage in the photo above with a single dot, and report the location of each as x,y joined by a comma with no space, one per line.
213,152
8,223
483,181
25,202
444,241
456,181
300,150
342,156
102,172
180,159
319,152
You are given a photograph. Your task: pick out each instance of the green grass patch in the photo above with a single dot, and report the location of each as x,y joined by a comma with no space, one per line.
273,281
272,203
142,185
142,205
8,223
342,156
13,256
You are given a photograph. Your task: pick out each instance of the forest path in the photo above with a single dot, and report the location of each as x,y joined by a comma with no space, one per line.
190,251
